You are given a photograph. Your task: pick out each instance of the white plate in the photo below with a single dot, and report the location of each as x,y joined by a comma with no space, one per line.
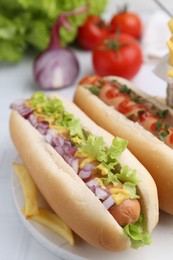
161,248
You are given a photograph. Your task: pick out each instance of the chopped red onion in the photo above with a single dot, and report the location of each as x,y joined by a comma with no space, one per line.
33,120
93,182
25,112
17,105
43,127
44,124
22,109
73,162
72,150
67,145
109,202
84,174
41,130
75,165
58,140
60,150
51,133
88,167
101,193
93,189
68,158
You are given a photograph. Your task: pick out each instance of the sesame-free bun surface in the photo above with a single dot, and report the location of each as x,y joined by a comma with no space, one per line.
150,151
68,195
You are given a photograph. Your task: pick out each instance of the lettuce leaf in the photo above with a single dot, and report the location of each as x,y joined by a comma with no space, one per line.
132,188
137,236
75,128
54,108
114,152
128,175
94,147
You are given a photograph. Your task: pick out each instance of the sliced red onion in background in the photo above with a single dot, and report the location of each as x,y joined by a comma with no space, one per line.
56,68
109,202
101,193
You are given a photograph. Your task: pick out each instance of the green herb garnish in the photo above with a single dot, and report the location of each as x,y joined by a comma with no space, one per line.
95,90
162,113
124,89
159,125
164,133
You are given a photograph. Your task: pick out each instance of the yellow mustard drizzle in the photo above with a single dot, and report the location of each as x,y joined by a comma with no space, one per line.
60,129
104,171
119,195
87,160
76,140
101,183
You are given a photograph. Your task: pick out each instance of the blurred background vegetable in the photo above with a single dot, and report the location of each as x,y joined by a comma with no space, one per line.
127,22
92,32
119,55
26,24
57,66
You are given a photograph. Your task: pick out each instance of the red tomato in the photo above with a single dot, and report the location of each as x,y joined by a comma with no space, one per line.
118,55
127,22
92,32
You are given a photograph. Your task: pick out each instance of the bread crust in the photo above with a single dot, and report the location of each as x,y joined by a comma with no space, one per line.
149,150
68,195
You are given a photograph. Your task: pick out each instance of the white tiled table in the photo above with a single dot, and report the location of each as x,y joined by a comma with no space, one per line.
16,242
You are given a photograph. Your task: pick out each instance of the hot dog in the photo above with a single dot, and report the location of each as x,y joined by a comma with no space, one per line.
88,177
124,110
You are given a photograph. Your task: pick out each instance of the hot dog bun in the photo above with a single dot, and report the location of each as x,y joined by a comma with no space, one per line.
150,151
68,195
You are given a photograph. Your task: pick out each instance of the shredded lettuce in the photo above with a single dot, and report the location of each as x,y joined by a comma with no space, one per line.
137,236
132,188
96,146
93,146
114,152
75,128
54,108
26,24
127,174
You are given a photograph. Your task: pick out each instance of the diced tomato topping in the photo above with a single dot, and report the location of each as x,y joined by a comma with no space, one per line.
113,92
171,137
